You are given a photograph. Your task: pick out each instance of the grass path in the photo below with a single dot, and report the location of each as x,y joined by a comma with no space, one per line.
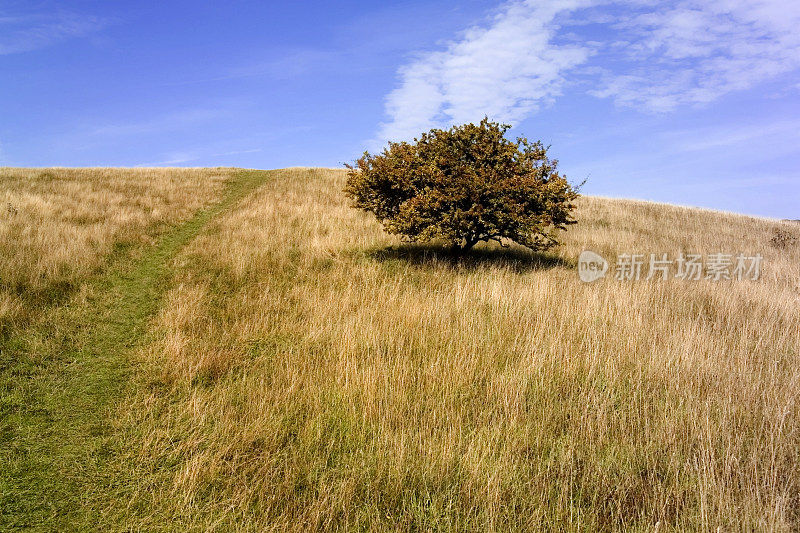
63,378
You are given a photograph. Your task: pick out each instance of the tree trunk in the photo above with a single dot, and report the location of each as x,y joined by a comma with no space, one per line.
459,248
468,244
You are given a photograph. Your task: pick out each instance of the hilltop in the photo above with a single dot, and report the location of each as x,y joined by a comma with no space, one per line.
222,348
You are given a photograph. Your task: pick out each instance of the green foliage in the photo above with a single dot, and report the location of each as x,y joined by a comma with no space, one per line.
465,185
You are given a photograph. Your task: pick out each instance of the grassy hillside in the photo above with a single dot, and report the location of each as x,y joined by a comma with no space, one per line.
302,370
83,288
58,225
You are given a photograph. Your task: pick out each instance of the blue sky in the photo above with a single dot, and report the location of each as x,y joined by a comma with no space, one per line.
688,102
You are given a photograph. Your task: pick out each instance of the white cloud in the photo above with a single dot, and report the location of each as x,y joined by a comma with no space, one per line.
31,32
693,52
505,71
640,53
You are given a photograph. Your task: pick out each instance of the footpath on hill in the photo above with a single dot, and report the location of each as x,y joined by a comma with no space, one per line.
62,379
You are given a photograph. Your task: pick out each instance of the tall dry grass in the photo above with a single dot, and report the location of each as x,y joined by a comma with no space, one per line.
307,373
57,225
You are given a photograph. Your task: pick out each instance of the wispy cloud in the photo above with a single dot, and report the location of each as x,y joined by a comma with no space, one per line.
506,71
208,116
648,55
28,32
177,158
284,65
693,52
780,136
173,121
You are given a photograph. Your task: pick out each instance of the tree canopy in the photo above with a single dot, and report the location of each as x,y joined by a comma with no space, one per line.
463,186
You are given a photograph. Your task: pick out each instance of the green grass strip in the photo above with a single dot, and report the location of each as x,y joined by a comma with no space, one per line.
63,379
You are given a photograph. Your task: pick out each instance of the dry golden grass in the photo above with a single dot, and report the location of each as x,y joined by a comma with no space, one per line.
306,375
57,225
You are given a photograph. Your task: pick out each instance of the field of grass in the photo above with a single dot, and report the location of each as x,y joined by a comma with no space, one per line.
287,366
58,225
84,288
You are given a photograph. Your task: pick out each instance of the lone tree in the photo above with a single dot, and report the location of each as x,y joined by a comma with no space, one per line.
465,185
